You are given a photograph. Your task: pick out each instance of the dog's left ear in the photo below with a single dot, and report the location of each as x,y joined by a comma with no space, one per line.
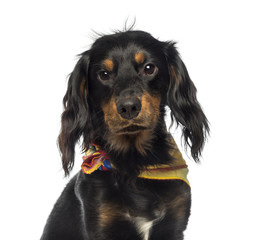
185,109
76,122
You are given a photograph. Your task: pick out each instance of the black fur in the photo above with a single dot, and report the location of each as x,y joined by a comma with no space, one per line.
110,205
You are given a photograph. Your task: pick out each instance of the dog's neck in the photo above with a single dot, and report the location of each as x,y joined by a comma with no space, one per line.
97,159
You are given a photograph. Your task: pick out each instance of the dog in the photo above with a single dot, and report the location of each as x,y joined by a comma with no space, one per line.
133,180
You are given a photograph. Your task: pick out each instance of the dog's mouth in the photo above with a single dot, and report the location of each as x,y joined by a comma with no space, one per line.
132,129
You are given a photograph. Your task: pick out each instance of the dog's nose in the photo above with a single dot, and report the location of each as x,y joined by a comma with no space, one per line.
129,108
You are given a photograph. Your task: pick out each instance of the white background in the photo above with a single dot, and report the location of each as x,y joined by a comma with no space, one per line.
38,46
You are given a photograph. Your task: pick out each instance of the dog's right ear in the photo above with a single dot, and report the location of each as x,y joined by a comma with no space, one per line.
75,118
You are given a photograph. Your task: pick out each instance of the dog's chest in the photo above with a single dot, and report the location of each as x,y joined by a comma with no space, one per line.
141,210
146,218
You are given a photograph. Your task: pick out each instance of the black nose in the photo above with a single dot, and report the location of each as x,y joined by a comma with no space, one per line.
129,108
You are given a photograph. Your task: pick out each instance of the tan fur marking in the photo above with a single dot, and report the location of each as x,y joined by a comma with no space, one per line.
109,64
143,141
139,57
178,205
150,106
175,80
111,115
83,90
109,213
120,143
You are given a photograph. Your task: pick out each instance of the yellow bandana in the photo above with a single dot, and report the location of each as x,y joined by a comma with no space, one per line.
96,158
177,170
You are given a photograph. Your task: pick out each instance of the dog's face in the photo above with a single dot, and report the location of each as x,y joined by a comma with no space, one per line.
118,92
128,80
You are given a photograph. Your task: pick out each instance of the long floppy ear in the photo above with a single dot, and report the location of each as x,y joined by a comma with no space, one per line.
75,118
185,109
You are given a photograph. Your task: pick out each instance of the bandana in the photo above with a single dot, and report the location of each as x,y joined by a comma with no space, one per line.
97,159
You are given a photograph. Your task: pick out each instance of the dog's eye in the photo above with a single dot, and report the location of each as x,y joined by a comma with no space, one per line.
149,69
104,75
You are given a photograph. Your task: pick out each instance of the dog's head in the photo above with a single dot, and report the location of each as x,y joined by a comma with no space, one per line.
117,95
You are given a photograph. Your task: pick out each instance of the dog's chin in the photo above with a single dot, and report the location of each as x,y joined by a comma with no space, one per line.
136,136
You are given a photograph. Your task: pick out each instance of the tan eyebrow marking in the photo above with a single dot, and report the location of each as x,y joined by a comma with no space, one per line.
109,64
139,57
